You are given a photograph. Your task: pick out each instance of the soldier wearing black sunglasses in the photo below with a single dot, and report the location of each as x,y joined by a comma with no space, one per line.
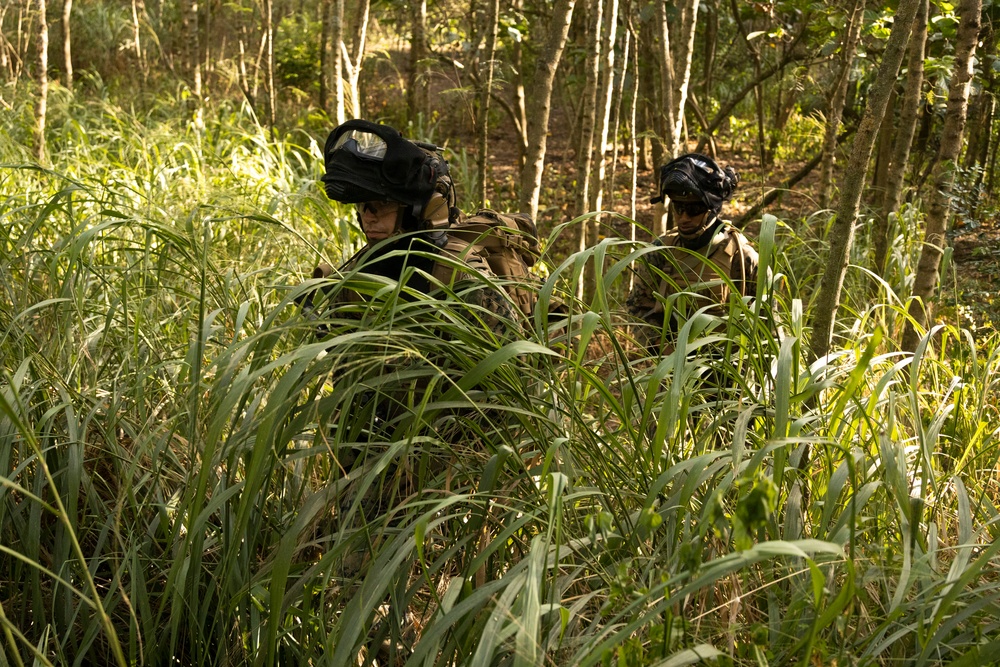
703,257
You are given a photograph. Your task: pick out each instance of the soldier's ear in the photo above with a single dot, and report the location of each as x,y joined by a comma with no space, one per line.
730,182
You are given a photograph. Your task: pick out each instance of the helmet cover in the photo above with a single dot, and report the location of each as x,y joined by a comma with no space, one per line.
697,177
367,161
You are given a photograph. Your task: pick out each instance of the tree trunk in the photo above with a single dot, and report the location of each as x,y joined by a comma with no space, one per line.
41,108
886,132
711,45
842,233
416,87
272,113
486,89
664,58
585,153
67,41
138,11
5,59
835,105
989,137
192,55
926,280
610,81
326,71
991,171
249,91
649,110
521,121
540,105
354,60
621,74
588,115
910,104
337,64
682,58
633,144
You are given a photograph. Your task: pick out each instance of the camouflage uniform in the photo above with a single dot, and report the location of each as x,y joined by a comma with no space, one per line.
497,312
372,166
698,271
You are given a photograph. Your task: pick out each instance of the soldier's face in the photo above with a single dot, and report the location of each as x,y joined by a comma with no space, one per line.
378,219
689,216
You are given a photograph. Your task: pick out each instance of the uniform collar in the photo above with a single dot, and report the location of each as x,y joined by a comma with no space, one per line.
704,238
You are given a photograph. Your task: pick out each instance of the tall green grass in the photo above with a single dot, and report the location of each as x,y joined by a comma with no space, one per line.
190,474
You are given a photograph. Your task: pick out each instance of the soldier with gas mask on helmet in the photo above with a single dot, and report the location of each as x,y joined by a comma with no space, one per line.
405,202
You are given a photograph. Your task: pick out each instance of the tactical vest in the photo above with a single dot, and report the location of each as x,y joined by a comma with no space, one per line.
701,270
443,272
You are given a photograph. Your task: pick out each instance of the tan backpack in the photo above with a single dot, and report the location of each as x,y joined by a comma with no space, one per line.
509,244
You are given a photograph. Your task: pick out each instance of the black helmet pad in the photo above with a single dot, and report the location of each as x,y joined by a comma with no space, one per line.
367,161
694,176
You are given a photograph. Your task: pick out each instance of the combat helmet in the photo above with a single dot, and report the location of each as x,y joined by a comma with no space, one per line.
694,176
368,161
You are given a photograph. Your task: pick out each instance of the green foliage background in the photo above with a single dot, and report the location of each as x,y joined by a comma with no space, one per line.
176,443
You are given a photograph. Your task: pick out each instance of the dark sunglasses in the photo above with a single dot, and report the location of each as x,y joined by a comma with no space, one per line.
378,208
691,209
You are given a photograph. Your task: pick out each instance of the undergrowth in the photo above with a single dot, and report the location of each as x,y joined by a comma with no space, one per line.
195,469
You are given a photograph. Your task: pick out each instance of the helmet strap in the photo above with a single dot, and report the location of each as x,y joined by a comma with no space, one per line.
703,236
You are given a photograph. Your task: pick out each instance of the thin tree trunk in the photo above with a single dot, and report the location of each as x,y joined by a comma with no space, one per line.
666,68
711,45
416,89
540,105
835,106
989,138
974,119
5,59
139,11
682,59
326,71
272,113
248,91
633,144
876,194
67,41
621,74
483,126
585,154
841,235
337,64
354,61
41,108
649,114
207,63
21,51
588,116
521,121
910,104
979,151
604,108
193,43
926,280
992,169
